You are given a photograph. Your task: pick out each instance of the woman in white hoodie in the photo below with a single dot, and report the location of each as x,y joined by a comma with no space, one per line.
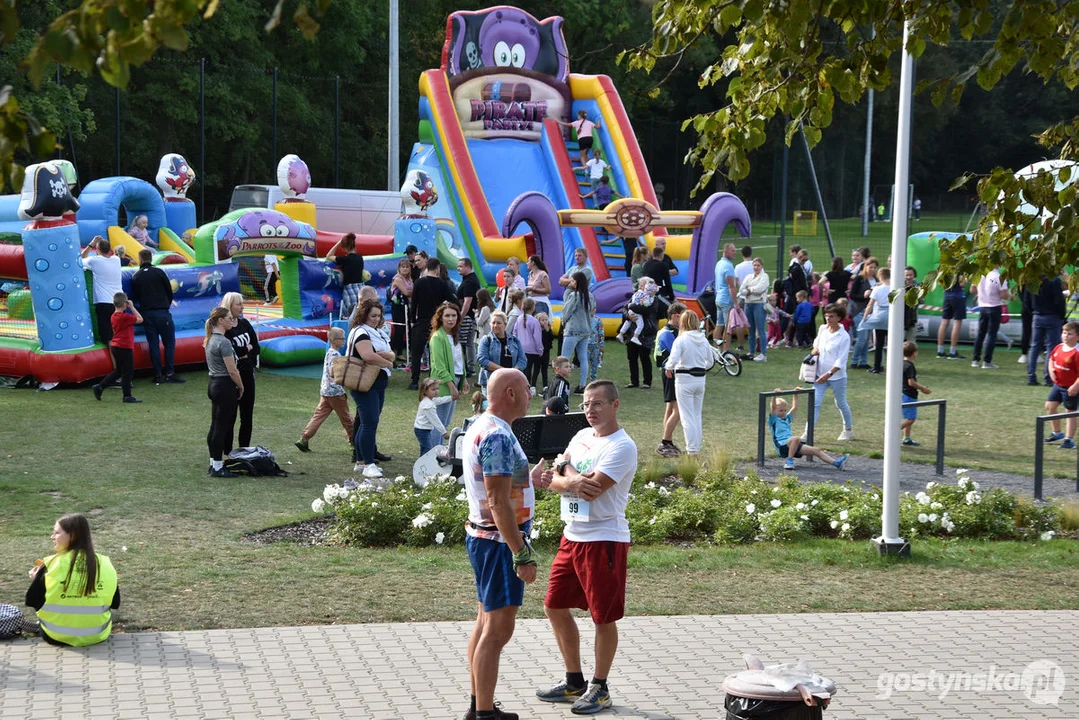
691,359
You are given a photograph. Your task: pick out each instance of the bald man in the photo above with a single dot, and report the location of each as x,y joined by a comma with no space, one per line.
501,498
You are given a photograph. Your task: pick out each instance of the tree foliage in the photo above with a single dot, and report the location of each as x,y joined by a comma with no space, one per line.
794,59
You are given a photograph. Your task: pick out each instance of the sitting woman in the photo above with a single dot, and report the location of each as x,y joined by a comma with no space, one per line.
75,590
138,230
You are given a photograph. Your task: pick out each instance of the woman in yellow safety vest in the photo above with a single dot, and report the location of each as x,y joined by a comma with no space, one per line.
75,590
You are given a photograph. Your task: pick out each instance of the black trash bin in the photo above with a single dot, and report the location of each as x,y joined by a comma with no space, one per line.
752,696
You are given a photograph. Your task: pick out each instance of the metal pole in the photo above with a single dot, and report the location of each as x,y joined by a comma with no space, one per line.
889,540
942,410
1039,449
393,159
868,162
761,397
202,138
117,131
59,149
273,132
782,210
336,131
820,198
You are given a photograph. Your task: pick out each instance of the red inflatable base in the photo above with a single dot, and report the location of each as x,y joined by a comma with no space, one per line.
365,244
83,366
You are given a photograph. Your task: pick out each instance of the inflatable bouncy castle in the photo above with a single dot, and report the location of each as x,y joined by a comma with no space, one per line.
512,174
46,326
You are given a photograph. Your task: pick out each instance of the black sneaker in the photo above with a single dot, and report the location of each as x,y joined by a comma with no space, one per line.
175,380
382,458
562,692
302,445
956,356
579,390
223,473
592,701
97,392
132,399
158,380
941,354
499,713
413,386
627,386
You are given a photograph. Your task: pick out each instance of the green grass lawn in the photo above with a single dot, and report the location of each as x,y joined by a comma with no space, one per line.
139,473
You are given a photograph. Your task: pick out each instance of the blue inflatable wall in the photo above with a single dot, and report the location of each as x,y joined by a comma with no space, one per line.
58,288
320,289
102,199
196,289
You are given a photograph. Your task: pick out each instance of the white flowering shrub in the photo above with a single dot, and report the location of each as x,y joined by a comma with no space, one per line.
718,507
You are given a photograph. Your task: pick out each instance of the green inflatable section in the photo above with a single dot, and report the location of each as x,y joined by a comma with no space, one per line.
923,254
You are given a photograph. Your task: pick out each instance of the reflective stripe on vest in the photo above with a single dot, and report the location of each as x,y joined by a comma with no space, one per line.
72,618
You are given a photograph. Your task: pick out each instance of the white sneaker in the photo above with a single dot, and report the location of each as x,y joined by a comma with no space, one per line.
635,340
847,434
358,467
760,358
976,363
990,366
1022,359
532,391
372,471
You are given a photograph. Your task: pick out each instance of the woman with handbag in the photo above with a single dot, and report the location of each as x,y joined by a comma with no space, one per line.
499,349
754,290
368,342
690,360
830,349
447,358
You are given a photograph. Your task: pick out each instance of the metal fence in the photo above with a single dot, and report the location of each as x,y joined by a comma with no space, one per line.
762,415
1039,450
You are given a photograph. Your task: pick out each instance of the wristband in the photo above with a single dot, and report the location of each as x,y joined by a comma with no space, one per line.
523,556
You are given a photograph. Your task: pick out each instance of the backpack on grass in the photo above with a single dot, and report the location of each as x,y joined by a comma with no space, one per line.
255,461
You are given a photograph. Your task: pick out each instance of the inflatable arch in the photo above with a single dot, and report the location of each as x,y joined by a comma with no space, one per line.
101,201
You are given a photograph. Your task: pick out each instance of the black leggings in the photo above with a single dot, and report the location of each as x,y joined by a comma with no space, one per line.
247,404
881,339
222,394
532,370
421,332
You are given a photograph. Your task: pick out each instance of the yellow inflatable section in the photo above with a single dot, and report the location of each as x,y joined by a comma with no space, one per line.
167,240
118,237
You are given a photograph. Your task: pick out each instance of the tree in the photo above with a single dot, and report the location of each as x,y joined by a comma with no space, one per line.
104,36
793,59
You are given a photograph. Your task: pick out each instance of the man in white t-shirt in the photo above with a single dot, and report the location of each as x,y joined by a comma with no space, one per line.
745,268
273,274
104,267
596,166
992,294
589,572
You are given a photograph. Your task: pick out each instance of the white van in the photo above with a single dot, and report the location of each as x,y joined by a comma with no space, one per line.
364,212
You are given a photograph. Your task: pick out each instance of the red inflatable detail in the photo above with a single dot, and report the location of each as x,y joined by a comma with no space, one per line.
12,262
365,244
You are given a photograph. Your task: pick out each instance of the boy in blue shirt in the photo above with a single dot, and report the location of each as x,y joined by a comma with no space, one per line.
789,445
803,318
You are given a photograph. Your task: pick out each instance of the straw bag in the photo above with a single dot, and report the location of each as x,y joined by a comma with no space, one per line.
353,373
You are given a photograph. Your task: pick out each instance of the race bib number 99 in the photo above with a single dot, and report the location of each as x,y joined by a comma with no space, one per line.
575,508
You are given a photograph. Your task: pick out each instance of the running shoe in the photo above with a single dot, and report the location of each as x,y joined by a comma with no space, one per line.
1068,444
910,442
990,366
594,699
956,356
976,363
302,445
789,465
760,358
847,434
372,471
1054,437
1022,359
562,692
840,462
500,714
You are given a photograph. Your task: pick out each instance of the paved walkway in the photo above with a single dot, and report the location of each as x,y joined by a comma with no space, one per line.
667,667
912,476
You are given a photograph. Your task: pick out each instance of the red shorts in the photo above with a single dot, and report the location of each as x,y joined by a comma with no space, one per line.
589,576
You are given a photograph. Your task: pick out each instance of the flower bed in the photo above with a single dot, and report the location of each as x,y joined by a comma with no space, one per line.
717,507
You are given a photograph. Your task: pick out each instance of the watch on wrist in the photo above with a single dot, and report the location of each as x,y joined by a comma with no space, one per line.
560,468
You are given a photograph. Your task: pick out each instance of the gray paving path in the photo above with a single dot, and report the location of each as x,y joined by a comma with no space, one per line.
912,476
667,667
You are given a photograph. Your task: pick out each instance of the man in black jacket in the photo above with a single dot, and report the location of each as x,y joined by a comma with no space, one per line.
151,291
658,269
1050,307
428,293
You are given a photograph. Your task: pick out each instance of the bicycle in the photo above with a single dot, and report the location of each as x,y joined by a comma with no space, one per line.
726,361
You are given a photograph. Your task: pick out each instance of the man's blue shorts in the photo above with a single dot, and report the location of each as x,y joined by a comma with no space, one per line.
955,308
497,584
909,413
1060,395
